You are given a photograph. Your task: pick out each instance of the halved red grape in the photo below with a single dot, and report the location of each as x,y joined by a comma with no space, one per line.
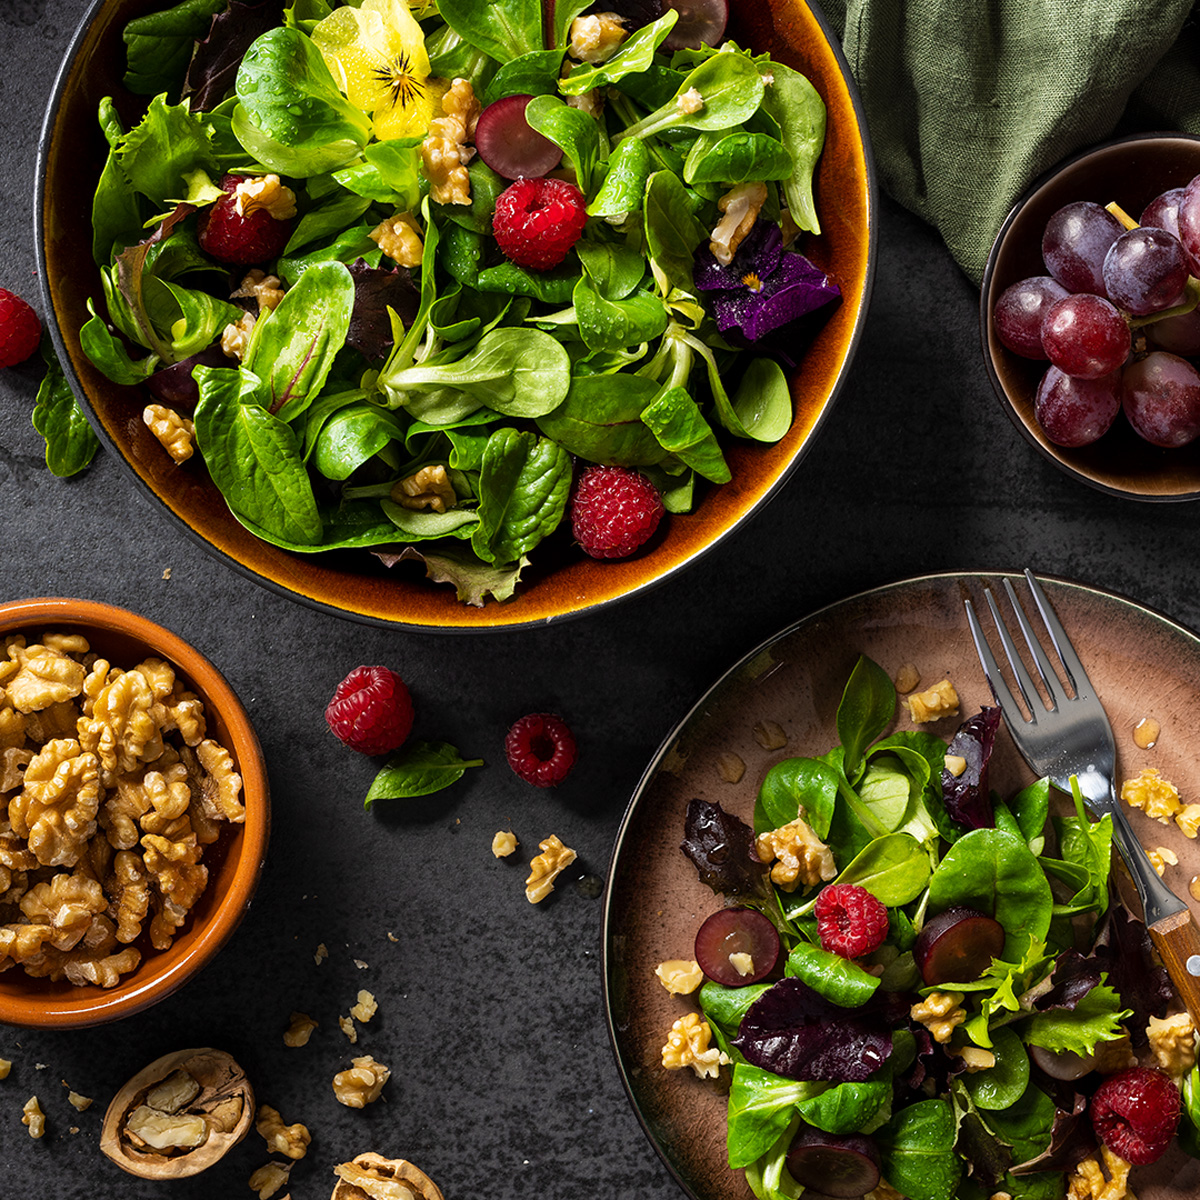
1020,311
1163,211
1075,241
957,945
701,23
1076,412
1145,271
509,145
1085,336
1161,397
844,1166
737,946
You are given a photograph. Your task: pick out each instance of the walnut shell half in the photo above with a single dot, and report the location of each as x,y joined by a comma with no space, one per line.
372,1177
179,1115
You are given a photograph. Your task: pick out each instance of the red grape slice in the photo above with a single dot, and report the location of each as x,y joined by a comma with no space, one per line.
1161,398
1076,412
508,144
957,945
737,931
1075,241
701,23
1085,336
1145,271
839,1165
1020,311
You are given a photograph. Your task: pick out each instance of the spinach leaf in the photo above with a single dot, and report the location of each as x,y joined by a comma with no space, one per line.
107,352
418,769
800,113
635,55
292,349
564,12
600,420
724,1007
576,133
616,324
614,267
838,979
291,115
553,286
1003,1084
417,525
159,45
502,29
524,482
677,423
849,1107
71,443
917,1148
894,869
254,458
796,785
868,704
353,435
731,158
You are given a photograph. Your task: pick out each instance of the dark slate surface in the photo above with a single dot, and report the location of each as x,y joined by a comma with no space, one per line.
491,1013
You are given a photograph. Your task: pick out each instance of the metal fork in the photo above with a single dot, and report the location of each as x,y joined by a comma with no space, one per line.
1072,737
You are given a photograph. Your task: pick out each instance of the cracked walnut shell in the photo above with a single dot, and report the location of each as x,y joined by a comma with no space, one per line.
372,1177
178,1115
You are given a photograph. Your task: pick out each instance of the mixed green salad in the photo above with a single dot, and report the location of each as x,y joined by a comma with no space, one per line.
826,1053
639,349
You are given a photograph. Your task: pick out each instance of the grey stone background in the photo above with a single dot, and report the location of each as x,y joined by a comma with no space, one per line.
491,1014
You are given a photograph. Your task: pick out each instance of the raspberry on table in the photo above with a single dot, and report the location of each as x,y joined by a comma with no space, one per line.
1135,1113
371,710
850,921
614,511
241,239
537,221
20,329
541,749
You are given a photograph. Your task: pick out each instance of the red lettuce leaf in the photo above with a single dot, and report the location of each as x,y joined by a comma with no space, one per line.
722,848
966,797
375,291
795,1032
215,60
1124,950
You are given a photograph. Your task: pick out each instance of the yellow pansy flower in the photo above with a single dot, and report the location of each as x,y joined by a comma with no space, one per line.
377,55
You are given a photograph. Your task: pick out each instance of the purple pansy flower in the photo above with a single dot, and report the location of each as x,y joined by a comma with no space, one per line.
764,286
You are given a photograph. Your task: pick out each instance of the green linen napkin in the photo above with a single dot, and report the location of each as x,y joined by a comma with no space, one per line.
969,101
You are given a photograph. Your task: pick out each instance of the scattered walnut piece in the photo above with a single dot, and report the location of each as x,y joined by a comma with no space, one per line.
321,955
1156,796
936,702
257,285
907,679
544,868
1173,1040
1188,819
366,1007
1162,857
361,1083
687,1045
730,767
174,432
299,1030
504,843
770,735
291,1141
399,237
740,206
595,38
34,1117
235,337
269,1178
347,1026
799,856
377,1178
5,1068
680,976
1088,1181
941,1013
265,191
429,488
76,1101
445,151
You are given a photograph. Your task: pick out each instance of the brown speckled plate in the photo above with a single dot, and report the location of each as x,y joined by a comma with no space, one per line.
1141,663
562,582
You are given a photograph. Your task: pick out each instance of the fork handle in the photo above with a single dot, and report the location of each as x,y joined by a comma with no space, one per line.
1177,940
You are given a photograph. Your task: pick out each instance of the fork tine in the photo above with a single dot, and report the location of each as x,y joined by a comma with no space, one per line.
991,670
1029,692
1045,668
1080,682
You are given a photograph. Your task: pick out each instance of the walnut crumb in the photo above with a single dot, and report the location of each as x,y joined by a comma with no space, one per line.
680,976
504,843
544,868
936,702
34,1117
321,955
366,1007
300,1029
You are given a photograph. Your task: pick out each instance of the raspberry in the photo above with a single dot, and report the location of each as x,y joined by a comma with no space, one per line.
371,711
1135,1112
538,220
540,749
614,511
850,921
20,329
241,240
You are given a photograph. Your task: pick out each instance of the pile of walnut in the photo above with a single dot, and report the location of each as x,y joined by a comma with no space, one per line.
109,793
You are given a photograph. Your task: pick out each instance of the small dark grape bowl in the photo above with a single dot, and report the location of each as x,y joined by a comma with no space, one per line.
1130,172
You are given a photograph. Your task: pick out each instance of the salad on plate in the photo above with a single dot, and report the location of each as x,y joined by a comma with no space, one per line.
918,988
401,276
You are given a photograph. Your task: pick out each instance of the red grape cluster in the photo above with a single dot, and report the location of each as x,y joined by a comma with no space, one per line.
1112,317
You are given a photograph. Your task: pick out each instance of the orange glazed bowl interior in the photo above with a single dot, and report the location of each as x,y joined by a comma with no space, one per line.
234,861
561,581
1130,171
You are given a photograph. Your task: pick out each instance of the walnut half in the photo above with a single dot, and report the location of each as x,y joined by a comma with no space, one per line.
373,1177
179,1115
